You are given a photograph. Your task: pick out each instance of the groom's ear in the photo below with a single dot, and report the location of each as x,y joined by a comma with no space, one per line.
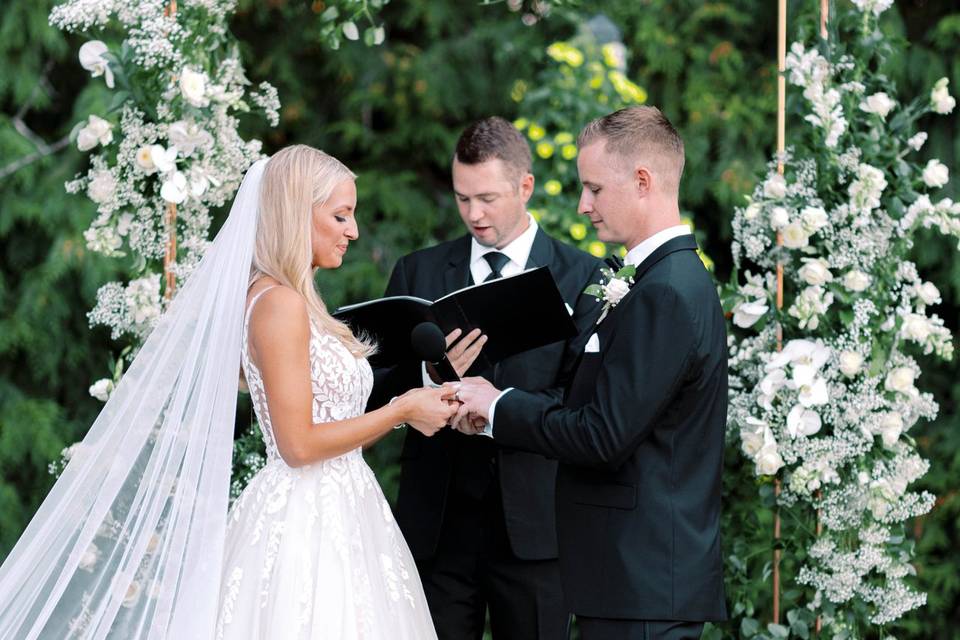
643,179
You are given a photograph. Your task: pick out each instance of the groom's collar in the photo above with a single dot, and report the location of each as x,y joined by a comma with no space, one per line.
645,249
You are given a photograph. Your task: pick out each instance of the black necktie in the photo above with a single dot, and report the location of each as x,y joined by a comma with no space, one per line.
497,261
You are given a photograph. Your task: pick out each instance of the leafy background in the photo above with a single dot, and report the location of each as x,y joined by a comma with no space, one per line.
393,113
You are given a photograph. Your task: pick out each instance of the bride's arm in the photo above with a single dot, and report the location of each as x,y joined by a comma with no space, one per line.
279,340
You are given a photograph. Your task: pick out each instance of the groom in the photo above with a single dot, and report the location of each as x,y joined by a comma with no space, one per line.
640,434
481,520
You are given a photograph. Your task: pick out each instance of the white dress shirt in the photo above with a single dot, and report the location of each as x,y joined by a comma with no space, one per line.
635,256
518,251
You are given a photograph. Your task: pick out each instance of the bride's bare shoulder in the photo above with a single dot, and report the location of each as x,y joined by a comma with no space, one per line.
279,310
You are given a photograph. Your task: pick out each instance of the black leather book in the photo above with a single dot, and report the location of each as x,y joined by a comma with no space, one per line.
516,313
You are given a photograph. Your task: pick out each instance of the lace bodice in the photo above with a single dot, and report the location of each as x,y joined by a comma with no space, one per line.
341,382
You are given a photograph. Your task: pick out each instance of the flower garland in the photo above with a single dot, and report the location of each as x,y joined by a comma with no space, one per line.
831,413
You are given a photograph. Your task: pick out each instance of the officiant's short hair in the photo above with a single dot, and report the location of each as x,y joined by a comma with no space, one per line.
491,138
636,132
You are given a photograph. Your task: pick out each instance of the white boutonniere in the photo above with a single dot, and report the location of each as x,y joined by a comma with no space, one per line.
614,285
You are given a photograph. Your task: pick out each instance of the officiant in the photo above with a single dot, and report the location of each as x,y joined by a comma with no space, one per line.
481,520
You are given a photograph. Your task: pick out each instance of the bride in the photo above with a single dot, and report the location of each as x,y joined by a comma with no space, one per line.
134,539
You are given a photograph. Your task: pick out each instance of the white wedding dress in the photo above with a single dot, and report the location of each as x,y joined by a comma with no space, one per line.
314,552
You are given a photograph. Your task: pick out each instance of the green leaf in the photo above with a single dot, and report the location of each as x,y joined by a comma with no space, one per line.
749,627
778,630
594,290
628,271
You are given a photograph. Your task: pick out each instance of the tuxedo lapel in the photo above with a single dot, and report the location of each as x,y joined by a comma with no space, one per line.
456,274
680,243
541,253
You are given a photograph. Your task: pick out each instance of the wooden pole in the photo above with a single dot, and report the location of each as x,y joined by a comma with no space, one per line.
781,146
170,257
824,17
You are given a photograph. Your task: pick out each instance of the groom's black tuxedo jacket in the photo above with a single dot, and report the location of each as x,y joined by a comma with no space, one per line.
430,466
640,444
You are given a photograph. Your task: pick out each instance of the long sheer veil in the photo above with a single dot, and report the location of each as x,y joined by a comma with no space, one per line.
128,543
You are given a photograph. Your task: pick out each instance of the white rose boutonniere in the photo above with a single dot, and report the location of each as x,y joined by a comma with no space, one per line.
613,287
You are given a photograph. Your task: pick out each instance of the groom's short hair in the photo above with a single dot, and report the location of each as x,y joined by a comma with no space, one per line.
642,133
491,138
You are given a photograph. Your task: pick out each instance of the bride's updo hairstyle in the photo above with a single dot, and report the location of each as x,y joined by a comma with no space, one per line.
295,179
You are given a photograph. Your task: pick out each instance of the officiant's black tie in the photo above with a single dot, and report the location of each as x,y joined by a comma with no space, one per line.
497,261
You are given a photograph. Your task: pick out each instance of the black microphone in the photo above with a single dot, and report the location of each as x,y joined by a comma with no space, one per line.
430,345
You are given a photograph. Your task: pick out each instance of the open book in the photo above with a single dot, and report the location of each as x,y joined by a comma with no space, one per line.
516,313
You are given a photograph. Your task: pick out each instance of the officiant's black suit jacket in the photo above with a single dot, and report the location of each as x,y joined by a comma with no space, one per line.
429,465
640,444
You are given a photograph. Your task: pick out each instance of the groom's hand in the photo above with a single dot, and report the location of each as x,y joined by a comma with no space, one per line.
475,395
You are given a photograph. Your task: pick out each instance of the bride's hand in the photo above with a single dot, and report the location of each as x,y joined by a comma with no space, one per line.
429,409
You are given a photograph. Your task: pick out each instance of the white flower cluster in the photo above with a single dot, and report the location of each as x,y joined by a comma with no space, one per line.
176,144
831,413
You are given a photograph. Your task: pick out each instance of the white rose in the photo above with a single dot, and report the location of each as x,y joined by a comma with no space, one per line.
750,442
145,160
891,426
89,558
752,211
102,186
96,131
101,389
93,60
193,87
856,281
879,103
768,459
614,290
174,188
935,174
794,236
747,312
775,187
850,363
779,218
813,218
940,97
928,292
917,141
901,380
803,422
916,327
815,271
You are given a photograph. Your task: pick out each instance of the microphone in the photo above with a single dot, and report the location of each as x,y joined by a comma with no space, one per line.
430,345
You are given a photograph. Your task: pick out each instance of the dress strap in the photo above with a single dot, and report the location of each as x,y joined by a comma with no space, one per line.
257,297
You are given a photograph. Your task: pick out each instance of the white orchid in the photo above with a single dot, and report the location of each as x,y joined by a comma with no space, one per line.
802,421
92,59
187,137
174,189
96,131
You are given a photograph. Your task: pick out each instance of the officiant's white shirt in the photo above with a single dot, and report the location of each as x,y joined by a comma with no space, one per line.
635,256
519,253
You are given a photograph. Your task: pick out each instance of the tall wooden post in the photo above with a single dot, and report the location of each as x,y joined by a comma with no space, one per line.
781,146
170,257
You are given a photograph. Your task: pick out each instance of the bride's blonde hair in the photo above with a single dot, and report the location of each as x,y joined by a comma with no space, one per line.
295,179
